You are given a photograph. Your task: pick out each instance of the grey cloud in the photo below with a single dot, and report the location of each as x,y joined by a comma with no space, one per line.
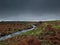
29,9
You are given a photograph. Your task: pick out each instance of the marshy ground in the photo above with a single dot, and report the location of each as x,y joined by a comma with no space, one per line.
45,33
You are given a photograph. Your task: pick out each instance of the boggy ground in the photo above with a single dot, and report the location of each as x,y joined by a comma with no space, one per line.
47,33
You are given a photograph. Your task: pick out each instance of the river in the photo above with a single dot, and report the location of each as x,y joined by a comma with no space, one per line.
16,33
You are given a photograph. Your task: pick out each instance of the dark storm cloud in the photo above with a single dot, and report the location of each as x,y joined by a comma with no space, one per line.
35,4
46,5
13,7
14,4
29,9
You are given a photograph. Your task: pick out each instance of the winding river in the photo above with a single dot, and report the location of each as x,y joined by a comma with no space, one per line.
16,33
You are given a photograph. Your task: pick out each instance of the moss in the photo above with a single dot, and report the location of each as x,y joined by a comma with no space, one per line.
1,43
56,27
34,32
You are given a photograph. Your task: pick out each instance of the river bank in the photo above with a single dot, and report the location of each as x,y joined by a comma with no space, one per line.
16,33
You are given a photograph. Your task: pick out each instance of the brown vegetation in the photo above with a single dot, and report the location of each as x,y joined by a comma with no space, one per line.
11,27
48,36
51,35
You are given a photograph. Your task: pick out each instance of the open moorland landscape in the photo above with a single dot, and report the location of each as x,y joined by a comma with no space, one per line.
29,22
30,33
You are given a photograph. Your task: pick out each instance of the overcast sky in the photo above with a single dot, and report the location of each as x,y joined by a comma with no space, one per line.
29,10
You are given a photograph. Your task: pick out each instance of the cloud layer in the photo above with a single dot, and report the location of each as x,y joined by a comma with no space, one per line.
29,10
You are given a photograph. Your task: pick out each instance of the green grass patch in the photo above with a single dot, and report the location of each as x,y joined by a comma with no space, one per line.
1,43
34,32
56,27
